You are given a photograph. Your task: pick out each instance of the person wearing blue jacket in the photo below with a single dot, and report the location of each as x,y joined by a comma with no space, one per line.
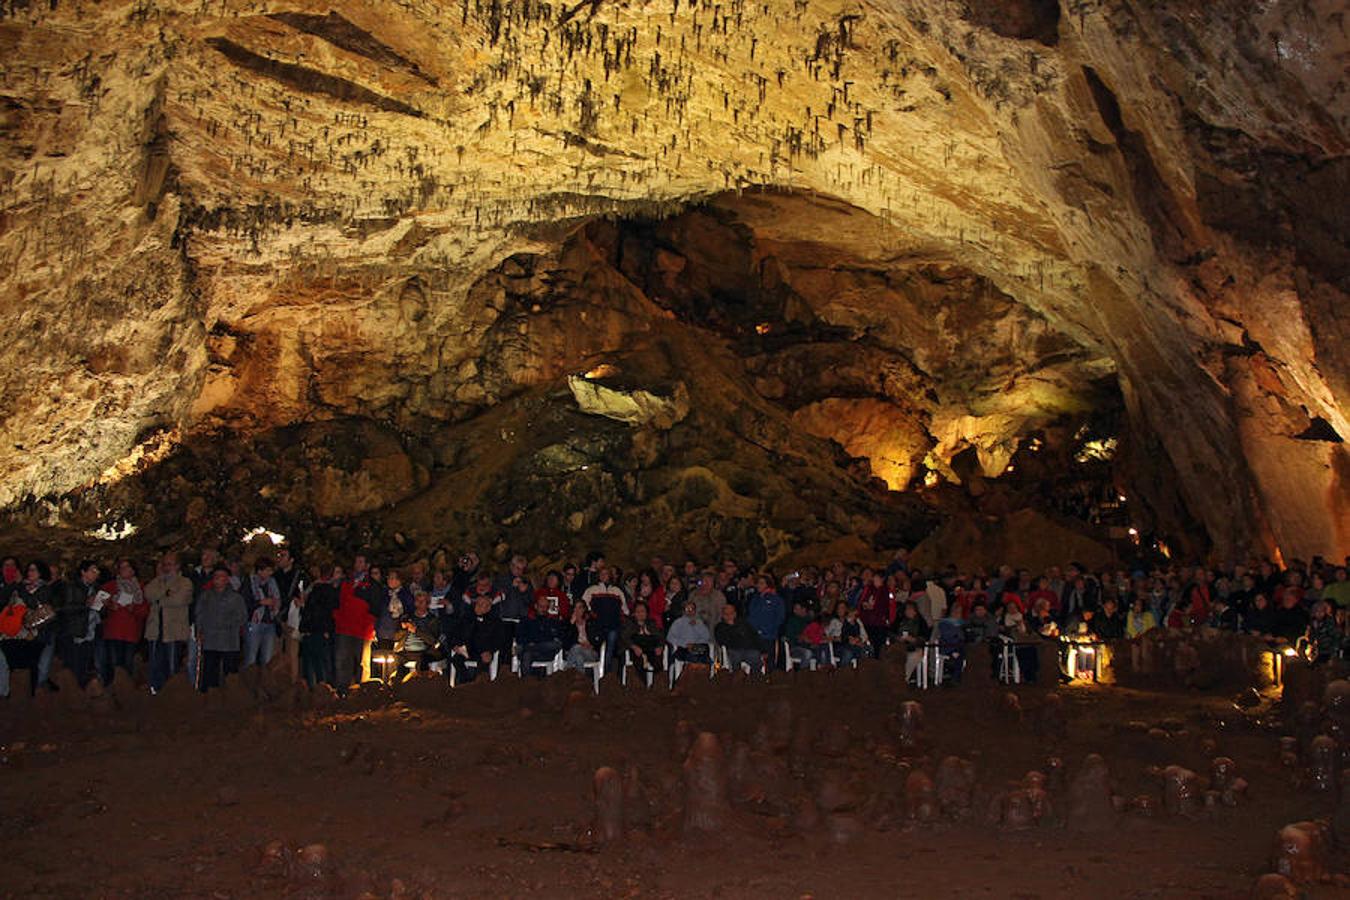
767,613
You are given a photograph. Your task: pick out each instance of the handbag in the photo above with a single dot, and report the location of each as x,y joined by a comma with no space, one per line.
11,619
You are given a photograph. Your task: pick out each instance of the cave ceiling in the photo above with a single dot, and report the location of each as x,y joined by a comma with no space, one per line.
349,259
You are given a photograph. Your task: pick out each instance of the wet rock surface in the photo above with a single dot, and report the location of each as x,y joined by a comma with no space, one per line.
351,258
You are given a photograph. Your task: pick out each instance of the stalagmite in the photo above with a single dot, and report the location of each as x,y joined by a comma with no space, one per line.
705,784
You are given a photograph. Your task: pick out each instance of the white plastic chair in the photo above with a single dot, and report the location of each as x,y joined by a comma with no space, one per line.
930,670
597,668
549,666
725,661
675,667
1009,671
649,676
474,664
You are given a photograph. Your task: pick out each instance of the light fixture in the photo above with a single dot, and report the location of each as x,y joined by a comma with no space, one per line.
763,328
1083,662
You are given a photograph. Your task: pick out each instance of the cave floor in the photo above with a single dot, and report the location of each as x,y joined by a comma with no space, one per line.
486,791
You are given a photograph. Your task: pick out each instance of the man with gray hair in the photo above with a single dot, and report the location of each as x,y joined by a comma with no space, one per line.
167,627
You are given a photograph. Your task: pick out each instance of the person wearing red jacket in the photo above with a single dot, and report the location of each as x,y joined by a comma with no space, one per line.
559,604
354,625
874,611
125,610
651,593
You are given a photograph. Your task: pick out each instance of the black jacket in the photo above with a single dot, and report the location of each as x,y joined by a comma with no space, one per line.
480,634
738,636
316,616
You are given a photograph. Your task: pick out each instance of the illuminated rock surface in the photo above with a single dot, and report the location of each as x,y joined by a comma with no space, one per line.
301,262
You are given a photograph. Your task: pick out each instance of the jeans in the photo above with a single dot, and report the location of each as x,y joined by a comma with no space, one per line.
316,658
193,661
4,676
579,656
804,655
611,651
44,663
260,641
845,654
544,651
163,661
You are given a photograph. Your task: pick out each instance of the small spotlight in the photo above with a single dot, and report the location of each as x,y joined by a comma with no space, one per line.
763,328
1290,651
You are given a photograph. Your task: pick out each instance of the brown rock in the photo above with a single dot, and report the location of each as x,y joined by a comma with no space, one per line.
1089,806
1272,886
920,797
955,785
313,862
1300,852
705,784
609,815
1182,793
910,725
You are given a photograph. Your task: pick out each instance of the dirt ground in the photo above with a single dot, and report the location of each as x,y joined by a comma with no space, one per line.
487,791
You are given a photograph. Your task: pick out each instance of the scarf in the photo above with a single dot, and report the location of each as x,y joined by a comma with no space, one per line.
133,587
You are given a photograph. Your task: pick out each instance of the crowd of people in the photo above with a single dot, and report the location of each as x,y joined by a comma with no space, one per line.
342,624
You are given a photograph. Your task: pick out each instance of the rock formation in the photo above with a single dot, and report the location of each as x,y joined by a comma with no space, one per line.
367,272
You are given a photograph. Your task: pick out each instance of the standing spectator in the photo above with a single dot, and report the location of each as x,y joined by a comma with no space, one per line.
316,626
912,633
875,606
221,616
77,622
517,601
1324,637
29,648
354,626
263,598
167,628
124,613
608,608
290,581
767,613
